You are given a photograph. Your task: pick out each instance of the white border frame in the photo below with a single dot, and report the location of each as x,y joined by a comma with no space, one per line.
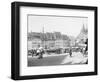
24,70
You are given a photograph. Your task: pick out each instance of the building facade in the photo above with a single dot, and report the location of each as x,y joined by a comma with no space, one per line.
82,37
47,40
35,43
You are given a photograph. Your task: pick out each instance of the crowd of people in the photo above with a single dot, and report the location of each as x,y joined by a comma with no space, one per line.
40,51
37,52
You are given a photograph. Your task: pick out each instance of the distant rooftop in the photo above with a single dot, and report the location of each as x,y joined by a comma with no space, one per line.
47,36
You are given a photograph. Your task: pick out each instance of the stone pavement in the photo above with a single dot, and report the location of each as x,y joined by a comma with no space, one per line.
77,58
57,59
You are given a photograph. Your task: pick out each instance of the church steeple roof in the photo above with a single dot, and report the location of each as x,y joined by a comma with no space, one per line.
84,30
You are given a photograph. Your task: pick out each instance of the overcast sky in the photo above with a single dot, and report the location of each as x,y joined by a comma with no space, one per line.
70,26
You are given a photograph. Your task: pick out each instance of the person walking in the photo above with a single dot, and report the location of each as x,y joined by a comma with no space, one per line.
41,53
70,52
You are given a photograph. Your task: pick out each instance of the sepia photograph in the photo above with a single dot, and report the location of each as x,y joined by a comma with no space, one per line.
57,40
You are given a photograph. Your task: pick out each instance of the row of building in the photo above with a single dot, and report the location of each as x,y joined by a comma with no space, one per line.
55,40
47,40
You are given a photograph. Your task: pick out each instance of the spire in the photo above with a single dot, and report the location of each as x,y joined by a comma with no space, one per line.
83,32
83,29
